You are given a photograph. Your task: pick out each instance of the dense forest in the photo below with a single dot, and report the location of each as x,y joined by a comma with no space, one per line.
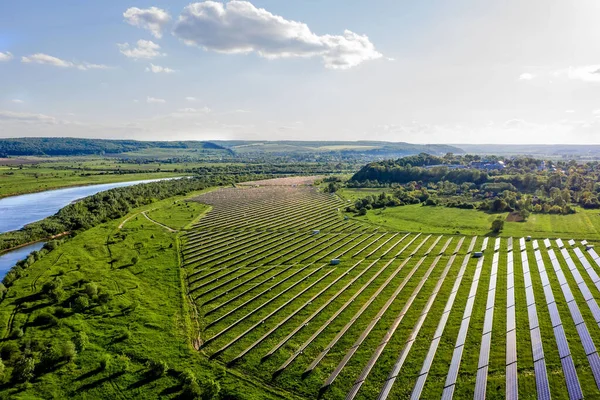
77,147
520,184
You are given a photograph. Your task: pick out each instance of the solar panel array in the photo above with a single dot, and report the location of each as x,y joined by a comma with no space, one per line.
403,314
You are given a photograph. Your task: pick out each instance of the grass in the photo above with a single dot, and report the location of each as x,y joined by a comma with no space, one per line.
179,214
585,224
31,179
147,318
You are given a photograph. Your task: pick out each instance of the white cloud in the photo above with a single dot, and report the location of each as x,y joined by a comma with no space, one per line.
157,69
240,27
18,101
146,49
154,100
588,73
5,56
45,59
204,110
526,76
569,111
153,19
12,116
597,112
190,98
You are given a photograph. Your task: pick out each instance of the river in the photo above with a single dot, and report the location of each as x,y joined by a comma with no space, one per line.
18,211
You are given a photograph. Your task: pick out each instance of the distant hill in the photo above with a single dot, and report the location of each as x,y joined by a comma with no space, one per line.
541,150
78,147
368,148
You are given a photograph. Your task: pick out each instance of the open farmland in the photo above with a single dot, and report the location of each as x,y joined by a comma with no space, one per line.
403,315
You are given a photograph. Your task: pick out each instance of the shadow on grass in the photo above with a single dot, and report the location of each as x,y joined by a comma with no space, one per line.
148,378
99,382
89,374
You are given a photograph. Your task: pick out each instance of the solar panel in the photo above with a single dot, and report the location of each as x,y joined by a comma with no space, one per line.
489,320
481,383
561,341
484,354
484,244
535,245
522,243
462,333
493,280
510,297
571,242
491,298
594,309
577,276
529,296
511,347
573,386
510,318
509,245
527,278
561,278
594,361
548,294
448,393
417,390
567,293
533,319
584,242
469,307
512,388
544,277
586,339
541,380
454,365
497,244
554,316
430,355
575,314
441,325
450,302
547,243
536,344
585,291
560,243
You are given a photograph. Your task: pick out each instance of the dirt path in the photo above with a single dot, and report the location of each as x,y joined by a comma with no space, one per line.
125,221
158,223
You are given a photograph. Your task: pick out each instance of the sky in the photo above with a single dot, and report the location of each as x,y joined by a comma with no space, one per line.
427,71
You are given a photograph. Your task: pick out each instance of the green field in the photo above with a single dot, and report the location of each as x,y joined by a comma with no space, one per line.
244,294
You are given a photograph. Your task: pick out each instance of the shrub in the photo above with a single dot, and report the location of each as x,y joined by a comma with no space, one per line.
157,368
81,341
46,318
2,368
105,362
80,304
191,391
120,364
10,351
91,289
67,350
104,298
497,225
24,369
17,333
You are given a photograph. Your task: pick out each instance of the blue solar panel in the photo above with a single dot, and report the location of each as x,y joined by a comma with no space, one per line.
585,291
441,325
544,277
554,316
488,321
493,280
541,380
536,344
548,294
575,314
454,365
462,333
480,383
577,276
533,319
469,307
561,342
573,386
529,296
594,309
484,354
567,293
512,388
594,361
561,278
491,298
586,339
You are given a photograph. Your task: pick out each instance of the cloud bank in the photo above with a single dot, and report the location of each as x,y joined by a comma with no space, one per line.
152,19
45,59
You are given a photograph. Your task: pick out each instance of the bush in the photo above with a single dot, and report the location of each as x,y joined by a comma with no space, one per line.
67,351
24,369
46,318
2,368
157,368
10,351
80,304
104,298
91,289
497,225
81,341
105,362
120,364
17,333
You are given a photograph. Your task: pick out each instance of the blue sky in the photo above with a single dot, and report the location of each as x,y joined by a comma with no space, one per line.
452,71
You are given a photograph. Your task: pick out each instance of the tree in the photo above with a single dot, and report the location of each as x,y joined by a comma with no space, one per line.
81,303
81,341
524,214
497,225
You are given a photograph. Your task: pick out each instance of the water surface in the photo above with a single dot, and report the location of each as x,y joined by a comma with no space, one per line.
8,260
